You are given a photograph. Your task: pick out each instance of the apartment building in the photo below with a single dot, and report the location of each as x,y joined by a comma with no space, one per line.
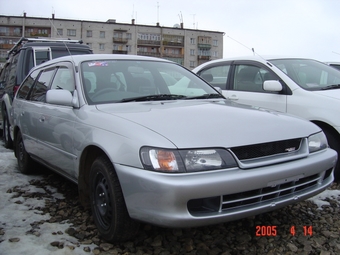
188,47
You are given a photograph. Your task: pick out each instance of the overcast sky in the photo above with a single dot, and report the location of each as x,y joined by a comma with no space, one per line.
304,28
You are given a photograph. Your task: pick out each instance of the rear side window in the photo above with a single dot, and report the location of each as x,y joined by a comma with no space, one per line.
27,85
217,76
12,71
41,86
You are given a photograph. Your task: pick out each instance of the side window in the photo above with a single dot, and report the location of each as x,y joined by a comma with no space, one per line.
63,79
41,86
27,84
250,78
217,76
12,71
3,76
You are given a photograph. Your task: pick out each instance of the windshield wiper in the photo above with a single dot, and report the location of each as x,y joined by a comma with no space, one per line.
335,86
154,98
206,96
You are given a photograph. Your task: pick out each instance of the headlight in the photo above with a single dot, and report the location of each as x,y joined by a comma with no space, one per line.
165,160
317,142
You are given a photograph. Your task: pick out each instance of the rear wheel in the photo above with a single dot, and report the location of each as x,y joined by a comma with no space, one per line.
107,203
6,135
25,162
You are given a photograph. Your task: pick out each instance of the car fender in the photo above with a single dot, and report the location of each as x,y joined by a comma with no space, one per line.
7,106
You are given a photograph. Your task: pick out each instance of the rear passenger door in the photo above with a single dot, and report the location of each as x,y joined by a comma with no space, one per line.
57,123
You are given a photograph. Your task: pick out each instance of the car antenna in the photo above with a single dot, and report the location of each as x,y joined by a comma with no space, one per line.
63,41
252,49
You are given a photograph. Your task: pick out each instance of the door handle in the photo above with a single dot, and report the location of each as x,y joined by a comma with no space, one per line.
42,119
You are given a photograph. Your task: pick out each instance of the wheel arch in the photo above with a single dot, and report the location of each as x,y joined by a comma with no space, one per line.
327,128
87,158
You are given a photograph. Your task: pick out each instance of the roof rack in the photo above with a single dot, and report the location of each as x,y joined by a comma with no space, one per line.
24,40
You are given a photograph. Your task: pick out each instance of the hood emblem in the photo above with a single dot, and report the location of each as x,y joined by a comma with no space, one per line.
290,149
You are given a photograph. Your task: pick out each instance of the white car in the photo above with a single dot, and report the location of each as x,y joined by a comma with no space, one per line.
302,87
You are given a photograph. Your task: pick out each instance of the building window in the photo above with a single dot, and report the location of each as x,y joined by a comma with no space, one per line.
59,31
102,34
192,41
128,36
192,52
128,48
71,32
89,33
17,31
215,42
215,54
101,46
192,63
42,31
4,31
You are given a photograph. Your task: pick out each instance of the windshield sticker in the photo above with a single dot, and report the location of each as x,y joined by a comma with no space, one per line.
98,63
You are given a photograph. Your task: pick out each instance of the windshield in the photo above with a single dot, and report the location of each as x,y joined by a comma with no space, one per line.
309,74
121,81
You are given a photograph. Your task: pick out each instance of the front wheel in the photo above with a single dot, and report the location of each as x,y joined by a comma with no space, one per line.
25,162
6,135
334,144
107,203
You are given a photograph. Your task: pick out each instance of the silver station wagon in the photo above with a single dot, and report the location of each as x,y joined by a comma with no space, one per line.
146,140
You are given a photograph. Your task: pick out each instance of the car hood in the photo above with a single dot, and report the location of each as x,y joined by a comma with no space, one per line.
332,93
206,123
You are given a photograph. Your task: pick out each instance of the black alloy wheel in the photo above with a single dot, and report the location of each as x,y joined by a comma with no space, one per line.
25,162
107,203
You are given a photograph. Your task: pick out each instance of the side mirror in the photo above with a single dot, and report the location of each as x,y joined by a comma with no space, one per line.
59,97
272,86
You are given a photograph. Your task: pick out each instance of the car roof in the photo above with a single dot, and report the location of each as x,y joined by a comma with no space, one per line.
76,59
258,58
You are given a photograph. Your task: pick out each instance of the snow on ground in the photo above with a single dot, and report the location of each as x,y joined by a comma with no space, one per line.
17,213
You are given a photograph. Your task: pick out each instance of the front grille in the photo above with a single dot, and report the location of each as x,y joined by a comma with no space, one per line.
233,201
266,149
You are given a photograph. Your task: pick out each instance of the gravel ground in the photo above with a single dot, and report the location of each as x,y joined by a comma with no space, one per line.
316,231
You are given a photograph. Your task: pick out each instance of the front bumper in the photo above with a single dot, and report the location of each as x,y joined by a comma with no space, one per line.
163,199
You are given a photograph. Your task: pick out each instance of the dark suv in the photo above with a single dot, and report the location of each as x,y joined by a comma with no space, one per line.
25,54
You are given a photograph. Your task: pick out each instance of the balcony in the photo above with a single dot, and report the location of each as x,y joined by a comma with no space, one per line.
173,43
148,42
29,34
204,46
150,54
200,57
120,40
6,46
11,34
119,52
172,55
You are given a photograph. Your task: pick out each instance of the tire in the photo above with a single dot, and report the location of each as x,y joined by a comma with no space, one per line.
334,143
25,162
6,133
107,203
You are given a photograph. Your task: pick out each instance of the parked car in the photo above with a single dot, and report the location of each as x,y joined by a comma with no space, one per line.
2,91
25,54
302,87
334,64
141,148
